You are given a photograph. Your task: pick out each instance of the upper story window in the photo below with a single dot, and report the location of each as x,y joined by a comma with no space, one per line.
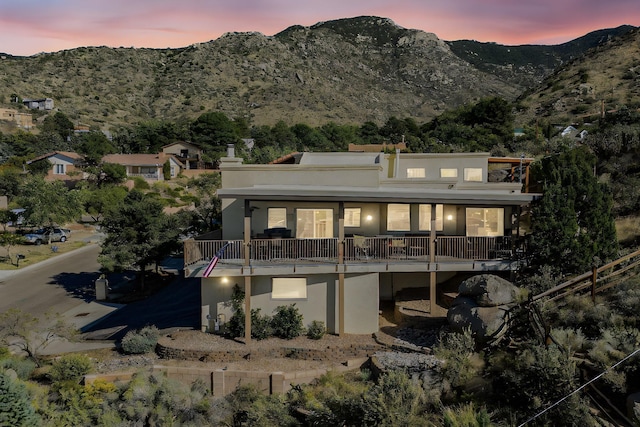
314,223
352,217
59,169
415,173
473,174
398,217
277,217
448,172
485,221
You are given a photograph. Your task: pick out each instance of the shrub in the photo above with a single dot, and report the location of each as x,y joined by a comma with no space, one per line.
141,341
70,367
22,367
260,325
316,330
287,322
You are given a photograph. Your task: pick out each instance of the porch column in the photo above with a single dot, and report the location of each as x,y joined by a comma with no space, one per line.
247,279
341,261
432,262
247,309
247,232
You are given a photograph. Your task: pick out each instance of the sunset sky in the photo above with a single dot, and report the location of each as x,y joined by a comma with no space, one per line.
28,27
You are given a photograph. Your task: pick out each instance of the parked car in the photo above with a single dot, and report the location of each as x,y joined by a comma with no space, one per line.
43,235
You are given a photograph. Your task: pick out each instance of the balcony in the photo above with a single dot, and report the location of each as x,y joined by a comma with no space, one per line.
380,253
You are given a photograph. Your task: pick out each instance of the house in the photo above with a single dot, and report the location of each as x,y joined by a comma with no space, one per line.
22,120
337,233
147,166
38,104
63,166
189,154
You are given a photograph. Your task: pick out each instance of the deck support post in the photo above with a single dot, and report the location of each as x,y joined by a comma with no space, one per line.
432,262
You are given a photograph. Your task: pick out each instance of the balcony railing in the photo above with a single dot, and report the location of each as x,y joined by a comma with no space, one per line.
356,249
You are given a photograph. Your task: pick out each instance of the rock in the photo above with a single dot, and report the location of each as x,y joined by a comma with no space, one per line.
488,290
483,305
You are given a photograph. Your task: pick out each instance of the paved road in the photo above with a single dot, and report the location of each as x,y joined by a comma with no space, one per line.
65,285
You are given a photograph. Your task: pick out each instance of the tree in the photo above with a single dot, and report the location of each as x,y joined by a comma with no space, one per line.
98,201
15,403
572,224
94,146
8,240
31,334
137,232
59,124
49,203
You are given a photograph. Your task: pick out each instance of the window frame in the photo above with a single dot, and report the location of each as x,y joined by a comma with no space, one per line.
270,224
469,174
281,288
352,222
405,207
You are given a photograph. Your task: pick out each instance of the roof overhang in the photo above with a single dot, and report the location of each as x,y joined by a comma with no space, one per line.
378,195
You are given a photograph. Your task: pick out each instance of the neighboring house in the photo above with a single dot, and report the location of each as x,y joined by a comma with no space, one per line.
189,154
63,165
147,166
336,233
38,104
22,120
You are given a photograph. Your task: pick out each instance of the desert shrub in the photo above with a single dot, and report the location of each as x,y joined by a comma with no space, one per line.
140,184
316,330
4,352
22,367
235,325
70,367
287,322
260,325
466,415
141,341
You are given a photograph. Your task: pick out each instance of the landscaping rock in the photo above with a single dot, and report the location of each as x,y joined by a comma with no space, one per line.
488,290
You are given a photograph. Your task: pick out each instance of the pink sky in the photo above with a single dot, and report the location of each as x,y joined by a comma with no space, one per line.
28,27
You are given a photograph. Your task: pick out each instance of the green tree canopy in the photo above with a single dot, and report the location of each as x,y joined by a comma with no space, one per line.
48,203
572,224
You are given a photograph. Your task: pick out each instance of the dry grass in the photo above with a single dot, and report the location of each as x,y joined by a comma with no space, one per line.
628,229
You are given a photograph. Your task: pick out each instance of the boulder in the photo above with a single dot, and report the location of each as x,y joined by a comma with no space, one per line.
483,305
488,290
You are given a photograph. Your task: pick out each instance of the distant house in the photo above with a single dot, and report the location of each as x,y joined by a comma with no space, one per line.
22,120
189,154
63,166
38,104
147,166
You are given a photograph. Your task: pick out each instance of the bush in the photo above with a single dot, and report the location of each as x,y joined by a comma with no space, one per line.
287,322
141,341
316,330
260,325
22,367
70,367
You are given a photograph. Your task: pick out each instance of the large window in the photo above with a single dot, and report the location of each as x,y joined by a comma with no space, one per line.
485,221
398,217
473,174
314,223
425,218
289,288
415,173
352,217
58,169
277,217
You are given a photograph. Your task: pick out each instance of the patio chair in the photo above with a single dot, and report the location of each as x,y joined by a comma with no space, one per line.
361,247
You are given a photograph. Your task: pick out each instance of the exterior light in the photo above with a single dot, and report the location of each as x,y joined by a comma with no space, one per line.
449,217
225,280
369,218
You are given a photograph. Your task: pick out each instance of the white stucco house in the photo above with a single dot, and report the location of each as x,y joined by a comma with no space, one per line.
337,233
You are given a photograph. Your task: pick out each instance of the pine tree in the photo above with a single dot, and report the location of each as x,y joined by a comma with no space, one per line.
572,224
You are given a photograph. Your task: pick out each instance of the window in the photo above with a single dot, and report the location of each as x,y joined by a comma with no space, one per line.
485,221
425,218
448,173
415,173
473,174
398,217
58,169
277,217
289,288
352,217
314,223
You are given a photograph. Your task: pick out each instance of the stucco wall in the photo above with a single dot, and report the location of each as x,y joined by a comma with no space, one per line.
361,300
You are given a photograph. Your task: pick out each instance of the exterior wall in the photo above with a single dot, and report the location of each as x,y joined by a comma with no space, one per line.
361,301
71,172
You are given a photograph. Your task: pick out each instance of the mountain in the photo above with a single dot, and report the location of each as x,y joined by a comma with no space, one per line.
605,78
347,71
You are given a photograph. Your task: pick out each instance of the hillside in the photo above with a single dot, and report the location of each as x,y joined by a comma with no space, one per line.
346,71
606,78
